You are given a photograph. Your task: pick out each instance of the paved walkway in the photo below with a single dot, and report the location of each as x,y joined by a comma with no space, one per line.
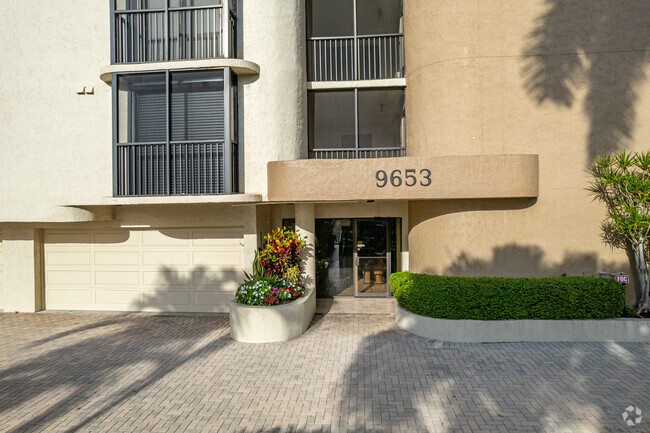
172,374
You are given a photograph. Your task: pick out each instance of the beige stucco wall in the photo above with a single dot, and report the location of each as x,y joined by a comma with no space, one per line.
274,104
564,80
56,144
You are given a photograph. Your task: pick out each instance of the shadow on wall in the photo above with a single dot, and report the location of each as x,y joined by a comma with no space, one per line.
598,44
514,260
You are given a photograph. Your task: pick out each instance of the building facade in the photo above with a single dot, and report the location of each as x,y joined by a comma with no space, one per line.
148,145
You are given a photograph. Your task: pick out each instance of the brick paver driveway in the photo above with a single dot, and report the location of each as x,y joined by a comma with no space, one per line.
143,373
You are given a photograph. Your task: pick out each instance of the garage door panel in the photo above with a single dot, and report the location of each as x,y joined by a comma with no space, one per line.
166,238
128,299
219,237
68,277
223,258
210,299
169,278
111,258
66,298
69,257
117,278
172,299
144,270
166,258
225,279
116,239
2,278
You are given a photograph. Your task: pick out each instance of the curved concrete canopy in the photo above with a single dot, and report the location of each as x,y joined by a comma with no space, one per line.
240,66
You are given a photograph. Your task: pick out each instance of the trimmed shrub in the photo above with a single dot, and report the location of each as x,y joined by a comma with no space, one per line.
508,298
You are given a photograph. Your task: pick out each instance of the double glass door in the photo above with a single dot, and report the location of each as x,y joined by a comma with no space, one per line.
355,257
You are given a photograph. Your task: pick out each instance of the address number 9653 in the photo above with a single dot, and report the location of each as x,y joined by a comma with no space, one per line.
410,177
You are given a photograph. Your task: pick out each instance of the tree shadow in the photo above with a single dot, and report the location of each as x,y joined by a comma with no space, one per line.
122,354
598,44
520,261
400,382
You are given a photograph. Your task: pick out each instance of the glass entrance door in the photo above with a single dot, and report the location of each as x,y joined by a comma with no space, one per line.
355,257
372,257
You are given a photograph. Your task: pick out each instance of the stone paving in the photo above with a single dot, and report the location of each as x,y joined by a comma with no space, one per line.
353,373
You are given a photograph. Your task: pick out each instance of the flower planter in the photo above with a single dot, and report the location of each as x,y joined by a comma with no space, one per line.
253,324
501,331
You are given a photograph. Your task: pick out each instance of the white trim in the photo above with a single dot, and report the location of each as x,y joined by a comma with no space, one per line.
240,66
362,84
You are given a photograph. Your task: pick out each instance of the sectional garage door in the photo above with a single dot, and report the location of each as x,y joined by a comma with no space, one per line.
194,270
2,277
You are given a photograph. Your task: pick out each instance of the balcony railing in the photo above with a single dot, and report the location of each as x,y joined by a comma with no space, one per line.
158,35
182,168
373,57
383,152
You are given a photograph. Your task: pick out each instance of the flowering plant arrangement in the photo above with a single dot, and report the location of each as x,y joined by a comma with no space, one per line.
281,252
268,291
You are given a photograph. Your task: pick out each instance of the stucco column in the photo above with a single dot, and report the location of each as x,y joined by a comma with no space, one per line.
22,283
306,226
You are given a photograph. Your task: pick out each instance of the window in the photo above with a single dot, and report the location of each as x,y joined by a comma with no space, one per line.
162,30
173,133
355,40
359,123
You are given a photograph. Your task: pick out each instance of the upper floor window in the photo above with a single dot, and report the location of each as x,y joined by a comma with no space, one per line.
358,123
163,30
175,133
355,39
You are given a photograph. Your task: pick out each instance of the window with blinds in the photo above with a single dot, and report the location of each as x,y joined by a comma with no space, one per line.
171,133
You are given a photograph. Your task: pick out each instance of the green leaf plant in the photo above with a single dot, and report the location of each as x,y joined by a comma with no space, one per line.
622,182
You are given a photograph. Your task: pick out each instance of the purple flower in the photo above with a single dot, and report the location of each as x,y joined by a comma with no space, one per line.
278,292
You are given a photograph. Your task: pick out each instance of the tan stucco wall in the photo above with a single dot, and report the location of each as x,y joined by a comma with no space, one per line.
476,176
495,77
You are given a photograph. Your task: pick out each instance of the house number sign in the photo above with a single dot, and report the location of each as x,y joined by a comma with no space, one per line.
409,177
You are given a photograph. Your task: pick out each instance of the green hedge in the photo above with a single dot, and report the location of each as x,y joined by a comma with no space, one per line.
508,298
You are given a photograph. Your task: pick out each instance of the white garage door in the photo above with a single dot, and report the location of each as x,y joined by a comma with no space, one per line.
2,278
195,270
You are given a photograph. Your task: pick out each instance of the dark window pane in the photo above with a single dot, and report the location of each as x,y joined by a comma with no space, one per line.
334,254
141,108
191,3
122,5
197,106
330,18
331,120
376,17
381,118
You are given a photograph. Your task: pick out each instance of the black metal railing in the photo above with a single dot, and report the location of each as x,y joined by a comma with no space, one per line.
157,35
180,168
372,57
380,152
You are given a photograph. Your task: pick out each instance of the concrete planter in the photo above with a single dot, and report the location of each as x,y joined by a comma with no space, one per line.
501,331
253,324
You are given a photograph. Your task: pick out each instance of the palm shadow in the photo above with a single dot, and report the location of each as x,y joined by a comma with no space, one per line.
597,44
521,261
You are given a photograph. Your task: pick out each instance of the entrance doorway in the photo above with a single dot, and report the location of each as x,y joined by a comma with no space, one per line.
355,257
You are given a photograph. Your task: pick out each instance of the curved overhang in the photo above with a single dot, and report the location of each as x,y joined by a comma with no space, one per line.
240,66
410,178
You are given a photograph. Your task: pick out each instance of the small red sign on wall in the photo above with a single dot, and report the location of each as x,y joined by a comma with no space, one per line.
623,279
